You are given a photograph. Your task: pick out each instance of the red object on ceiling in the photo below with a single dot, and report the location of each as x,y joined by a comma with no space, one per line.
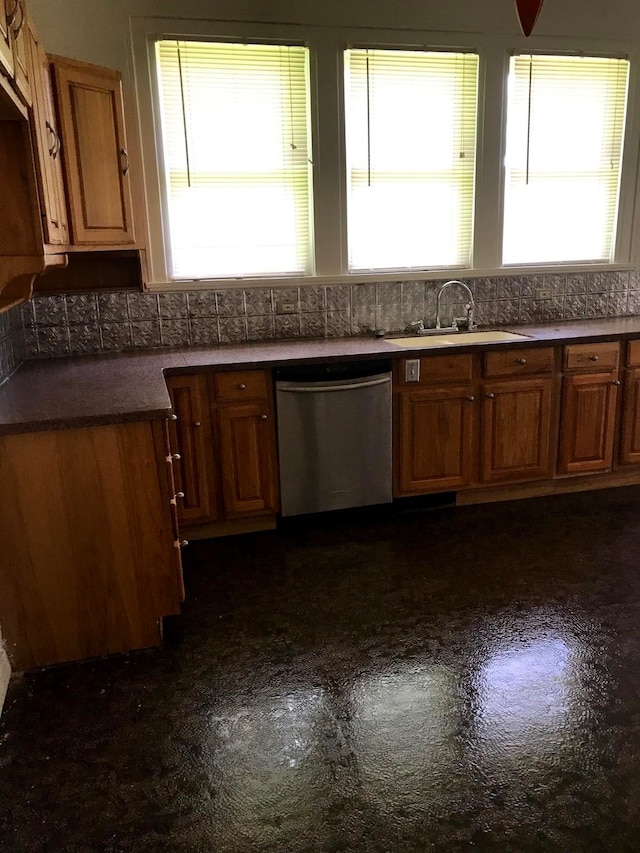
528,11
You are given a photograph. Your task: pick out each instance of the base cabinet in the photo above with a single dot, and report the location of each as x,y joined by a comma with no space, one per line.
516,430
88,561
436,439
223,444
484,432
589,408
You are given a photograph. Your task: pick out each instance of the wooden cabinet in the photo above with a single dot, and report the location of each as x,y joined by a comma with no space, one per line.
224,436
588,410
96,162
190,434
48,150
8,9
516,430
434,424
20,32
630,441
436,430
247,459
517,415
94,570
471,421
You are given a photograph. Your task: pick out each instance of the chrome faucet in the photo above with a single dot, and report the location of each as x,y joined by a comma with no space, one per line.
467,322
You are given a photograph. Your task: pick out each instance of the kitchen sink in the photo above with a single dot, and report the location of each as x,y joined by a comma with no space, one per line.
455,339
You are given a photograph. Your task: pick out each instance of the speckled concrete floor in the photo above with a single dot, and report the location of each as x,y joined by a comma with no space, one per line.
454,680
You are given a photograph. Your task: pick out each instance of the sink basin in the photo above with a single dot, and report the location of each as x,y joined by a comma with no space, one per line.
457,339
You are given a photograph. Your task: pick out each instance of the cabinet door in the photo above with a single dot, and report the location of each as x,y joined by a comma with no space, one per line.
587,422
190,437
8,9
516,430
247,459
47,146
630,450
435,439
20,30
91,118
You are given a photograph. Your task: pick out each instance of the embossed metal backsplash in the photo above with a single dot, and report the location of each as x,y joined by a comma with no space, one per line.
11,342
107,322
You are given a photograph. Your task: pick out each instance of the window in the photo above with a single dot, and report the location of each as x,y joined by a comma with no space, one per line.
411,151
565,127
235,131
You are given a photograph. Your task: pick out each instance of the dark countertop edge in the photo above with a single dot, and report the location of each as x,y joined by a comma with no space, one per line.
80,421
165,362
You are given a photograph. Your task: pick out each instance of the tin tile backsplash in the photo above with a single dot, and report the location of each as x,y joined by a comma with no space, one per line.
107,322
11,342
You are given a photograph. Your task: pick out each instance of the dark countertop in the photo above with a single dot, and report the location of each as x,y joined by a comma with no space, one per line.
80,391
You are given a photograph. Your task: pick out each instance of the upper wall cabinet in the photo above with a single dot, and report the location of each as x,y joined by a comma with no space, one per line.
20,28
47,147
7,9
94,153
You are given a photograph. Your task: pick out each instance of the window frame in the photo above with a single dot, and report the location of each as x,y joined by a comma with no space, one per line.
329,215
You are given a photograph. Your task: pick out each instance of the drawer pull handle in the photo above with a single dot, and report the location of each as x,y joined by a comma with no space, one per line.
173,417
521,360
616,382
490,396
242,386
593,357
124,161
471,398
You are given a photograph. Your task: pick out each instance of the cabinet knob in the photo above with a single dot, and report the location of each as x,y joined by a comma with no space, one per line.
197,424
176,457
180,495
471,398
184,543
263,417
521,360
490,396
616,382
593,357
241,386
173,417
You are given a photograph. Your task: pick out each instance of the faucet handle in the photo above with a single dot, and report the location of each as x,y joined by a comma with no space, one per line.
417,326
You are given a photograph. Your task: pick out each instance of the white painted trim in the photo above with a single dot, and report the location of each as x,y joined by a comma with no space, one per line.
5,675
327,44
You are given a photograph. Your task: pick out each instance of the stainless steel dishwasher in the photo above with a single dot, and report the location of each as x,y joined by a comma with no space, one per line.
334,436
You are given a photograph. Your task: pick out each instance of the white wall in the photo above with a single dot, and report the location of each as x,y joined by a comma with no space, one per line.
99,31
96,30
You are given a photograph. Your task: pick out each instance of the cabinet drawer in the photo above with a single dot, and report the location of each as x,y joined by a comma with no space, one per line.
241,385
439,368
517,362
633,354
592,357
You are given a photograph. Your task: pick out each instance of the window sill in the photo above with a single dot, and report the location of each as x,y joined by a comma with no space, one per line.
398,275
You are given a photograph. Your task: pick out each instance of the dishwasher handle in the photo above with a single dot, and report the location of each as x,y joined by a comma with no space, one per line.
299,388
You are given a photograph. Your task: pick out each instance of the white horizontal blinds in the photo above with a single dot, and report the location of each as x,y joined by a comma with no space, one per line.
411,152
565,127
236,137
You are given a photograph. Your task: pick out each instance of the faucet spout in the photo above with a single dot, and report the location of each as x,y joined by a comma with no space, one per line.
470,307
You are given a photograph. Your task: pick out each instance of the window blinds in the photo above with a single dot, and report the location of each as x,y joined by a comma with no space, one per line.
235,132
565,127
411,152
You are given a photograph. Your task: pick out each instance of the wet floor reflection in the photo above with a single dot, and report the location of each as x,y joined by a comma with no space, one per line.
268,766
405,725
